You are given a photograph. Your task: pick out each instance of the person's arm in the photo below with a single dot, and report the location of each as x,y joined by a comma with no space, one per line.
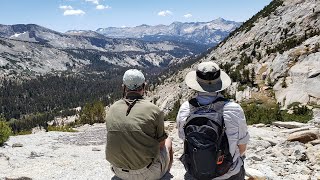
183,113
236,125
243,134
161,134
242,149
162,144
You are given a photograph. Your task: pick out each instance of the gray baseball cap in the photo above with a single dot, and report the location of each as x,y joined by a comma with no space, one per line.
133,79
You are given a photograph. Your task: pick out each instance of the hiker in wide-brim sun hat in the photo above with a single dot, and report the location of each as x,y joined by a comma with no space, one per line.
208,78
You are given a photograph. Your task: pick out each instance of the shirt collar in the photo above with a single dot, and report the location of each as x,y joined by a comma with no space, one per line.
133,95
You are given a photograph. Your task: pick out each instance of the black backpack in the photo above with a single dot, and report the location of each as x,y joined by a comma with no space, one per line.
206,148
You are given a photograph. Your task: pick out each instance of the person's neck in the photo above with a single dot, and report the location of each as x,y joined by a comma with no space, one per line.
134,95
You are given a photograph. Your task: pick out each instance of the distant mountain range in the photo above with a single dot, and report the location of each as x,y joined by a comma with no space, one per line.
33,49
208,33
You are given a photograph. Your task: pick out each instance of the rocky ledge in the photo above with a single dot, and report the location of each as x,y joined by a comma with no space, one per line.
275,152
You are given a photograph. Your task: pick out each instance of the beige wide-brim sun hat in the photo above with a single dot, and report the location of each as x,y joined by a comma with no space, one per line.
217,84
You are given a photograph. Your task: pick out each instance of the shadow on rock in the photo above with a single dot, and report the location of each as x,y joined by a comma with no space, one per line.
115,178
20,178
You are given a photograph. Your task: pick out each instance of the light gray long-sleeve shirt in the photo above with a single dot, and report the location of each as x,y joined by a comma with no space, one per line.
235,122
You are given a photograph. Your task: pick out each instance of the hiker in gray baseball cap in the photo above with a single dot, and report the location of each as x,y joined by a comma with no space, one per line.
137,144
208,80
133,79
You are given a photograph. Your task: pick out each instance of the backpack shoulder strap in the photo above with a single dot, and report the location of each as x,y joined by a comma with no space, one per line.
130,105
217,105
194,102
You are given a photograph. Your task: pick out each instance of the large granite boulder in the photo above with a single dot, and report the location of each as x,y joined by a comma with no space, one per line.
304,136
289,125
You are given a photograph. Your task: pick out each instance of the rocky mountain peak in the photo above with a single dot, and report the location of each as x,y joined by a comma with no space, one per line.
12,30
87,33
208,33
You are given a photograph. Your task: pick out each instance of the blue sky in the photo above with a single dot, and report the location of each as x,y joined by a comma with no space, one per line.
63,15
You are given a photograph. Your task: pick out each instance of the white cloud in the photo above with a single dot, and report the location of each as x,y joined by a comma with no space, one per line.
69,11
187,15
101,7
164,13
66,7
93,1
73,12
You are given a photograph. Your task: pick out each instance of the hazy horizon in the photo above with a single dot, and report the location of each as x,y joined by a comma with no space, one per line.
64,15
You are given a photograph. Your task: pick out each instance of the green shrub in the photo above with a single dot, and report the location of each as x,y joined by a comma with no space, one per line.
303,118
235,75
5,131
30,121
294,41
61,129
263,113
241,87
171,116
270,82
92,113
300,113
240,73
24,132
227,94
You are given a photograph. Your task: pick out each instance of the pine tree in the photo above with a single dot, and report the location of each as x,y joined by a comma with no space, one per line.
253,76
246,76
5,130
92,113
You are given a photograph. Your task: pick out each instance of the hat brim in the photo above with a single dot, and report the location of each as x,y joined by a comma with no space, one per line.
221,83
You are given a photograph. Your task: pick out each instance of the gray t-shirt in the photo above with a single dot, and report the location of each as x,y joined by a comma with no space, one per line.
236,127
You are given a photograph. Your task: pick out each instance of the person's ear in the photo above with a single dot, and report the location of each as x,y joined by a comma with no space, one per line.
144,88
